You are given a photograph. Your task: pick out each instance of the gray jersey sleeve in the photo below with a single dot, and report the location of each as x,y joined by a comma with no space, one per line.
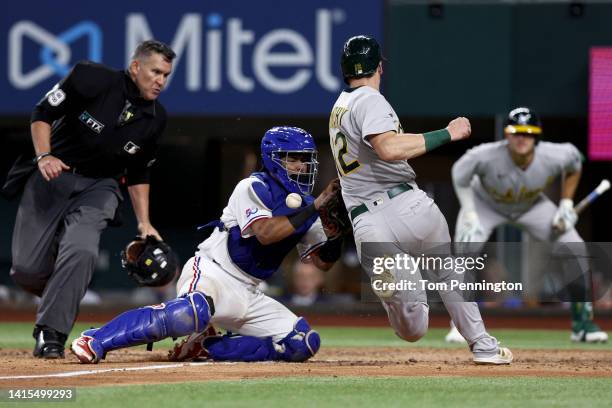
375,115
572,158
467,166
560,157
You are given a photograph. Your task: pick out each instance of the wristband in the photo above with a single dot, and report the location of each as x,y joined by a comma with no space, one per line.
436,139
40,156
300,217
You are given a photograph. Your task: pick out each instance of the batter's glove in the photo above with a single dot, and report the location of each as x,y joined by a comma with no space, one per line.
565,218
469,229
334,216
149,262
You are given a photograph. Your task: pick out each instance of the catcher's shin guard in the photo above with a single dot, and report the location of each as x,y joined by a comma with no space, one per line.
299,345
179,317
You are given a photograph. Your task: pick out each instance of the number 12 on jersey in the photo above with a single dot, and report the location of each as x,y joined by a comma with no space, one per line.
340,148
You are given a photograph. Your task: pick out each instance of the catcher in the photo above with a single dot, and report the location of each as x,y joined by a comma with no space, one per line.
268,214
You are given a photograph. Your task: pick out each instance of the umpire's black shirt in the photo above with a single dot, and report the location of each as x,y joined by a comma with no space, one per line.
101,127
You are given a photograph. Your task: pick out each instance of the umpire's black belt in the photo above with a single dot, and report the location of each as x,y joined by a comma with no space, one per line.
392,192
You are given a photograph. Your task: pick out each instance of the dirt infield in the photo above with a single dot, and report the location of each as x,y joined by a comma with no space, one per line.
130,366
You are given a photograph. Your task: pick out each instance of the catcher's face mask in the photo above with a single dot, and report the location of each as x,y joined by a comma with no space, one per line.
150,262
300,169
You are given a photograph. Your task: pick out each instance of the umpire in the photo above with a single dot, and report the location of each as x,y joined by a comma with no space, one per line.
97,126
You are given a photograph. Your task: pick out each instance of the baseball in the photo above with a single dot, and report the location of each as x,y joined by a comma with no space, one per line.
293,200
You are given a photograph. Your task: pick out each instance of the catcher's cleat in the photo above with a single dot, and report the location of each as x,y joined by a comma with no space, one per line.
83,350
588,332
503,356
49,343
191,347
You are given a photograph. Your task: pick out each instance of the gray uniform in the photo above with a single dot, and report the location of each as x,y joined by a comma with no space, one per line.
56,239
410,219
503,192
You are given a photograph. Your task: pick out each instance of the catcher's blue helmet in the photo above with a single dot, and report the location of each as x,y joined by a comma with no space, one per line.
277,145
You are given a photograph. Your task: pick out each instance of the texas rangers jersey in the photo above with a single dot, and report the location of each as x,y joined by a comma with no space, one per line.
492,174
248,203
358,113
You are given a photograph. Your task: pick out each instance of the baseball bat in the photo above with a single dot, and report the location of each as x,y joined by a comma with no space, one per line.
603,186
593,195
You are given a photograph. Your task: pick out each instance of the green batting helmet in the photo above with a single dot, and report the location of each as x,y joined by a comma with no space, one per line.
360,57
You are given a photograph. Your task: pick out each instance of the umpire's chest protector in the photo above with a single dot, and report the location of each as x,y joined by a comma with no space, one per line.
261,261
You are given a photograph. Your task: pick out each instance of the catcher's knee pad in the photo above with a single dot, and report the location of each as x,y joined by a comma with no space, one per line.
197,306
179,317
301,344
409,320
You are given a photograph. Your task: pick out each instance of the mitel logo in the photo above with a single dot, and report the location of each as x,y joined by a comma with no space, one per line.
90,122
229,40
54,56
216,52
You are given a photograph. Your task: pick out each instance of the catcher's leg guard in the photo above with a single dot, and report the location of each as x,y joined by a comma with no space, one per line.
239,348
299,345
179,317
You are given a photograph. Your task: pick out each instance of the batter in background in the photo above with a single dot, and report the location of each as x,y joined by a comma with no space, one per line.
503,182
384,202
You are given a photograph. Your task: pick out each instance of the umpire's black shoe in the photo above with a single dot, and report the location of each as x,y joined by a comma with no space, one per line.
49,342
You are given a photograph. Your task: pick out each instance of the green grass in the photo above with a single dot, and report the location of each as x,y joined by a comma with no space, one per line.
311,392
19,335
384,337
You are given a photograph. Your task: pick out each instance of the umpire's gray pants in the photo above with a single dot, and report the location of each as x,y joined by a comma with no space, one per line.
56,238
412,223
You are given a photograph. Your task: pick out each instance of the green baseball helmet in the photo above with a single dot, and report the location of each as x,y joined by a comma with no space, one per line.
523,120
360,57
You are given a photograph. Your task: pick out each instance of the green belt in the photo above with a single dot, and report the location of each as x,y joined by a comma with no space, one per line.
392,192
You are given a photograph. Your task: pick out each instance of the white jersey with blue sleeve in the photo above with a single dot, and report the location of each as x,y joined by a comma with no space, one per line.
243,209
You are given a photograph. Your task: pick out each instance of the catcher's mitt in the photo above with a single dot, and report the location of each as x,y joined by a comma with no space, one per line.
334,216
149,262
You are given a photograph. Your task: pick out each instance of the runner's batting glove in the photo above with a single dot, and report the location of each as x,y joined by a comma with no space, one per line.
565,218
470,228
